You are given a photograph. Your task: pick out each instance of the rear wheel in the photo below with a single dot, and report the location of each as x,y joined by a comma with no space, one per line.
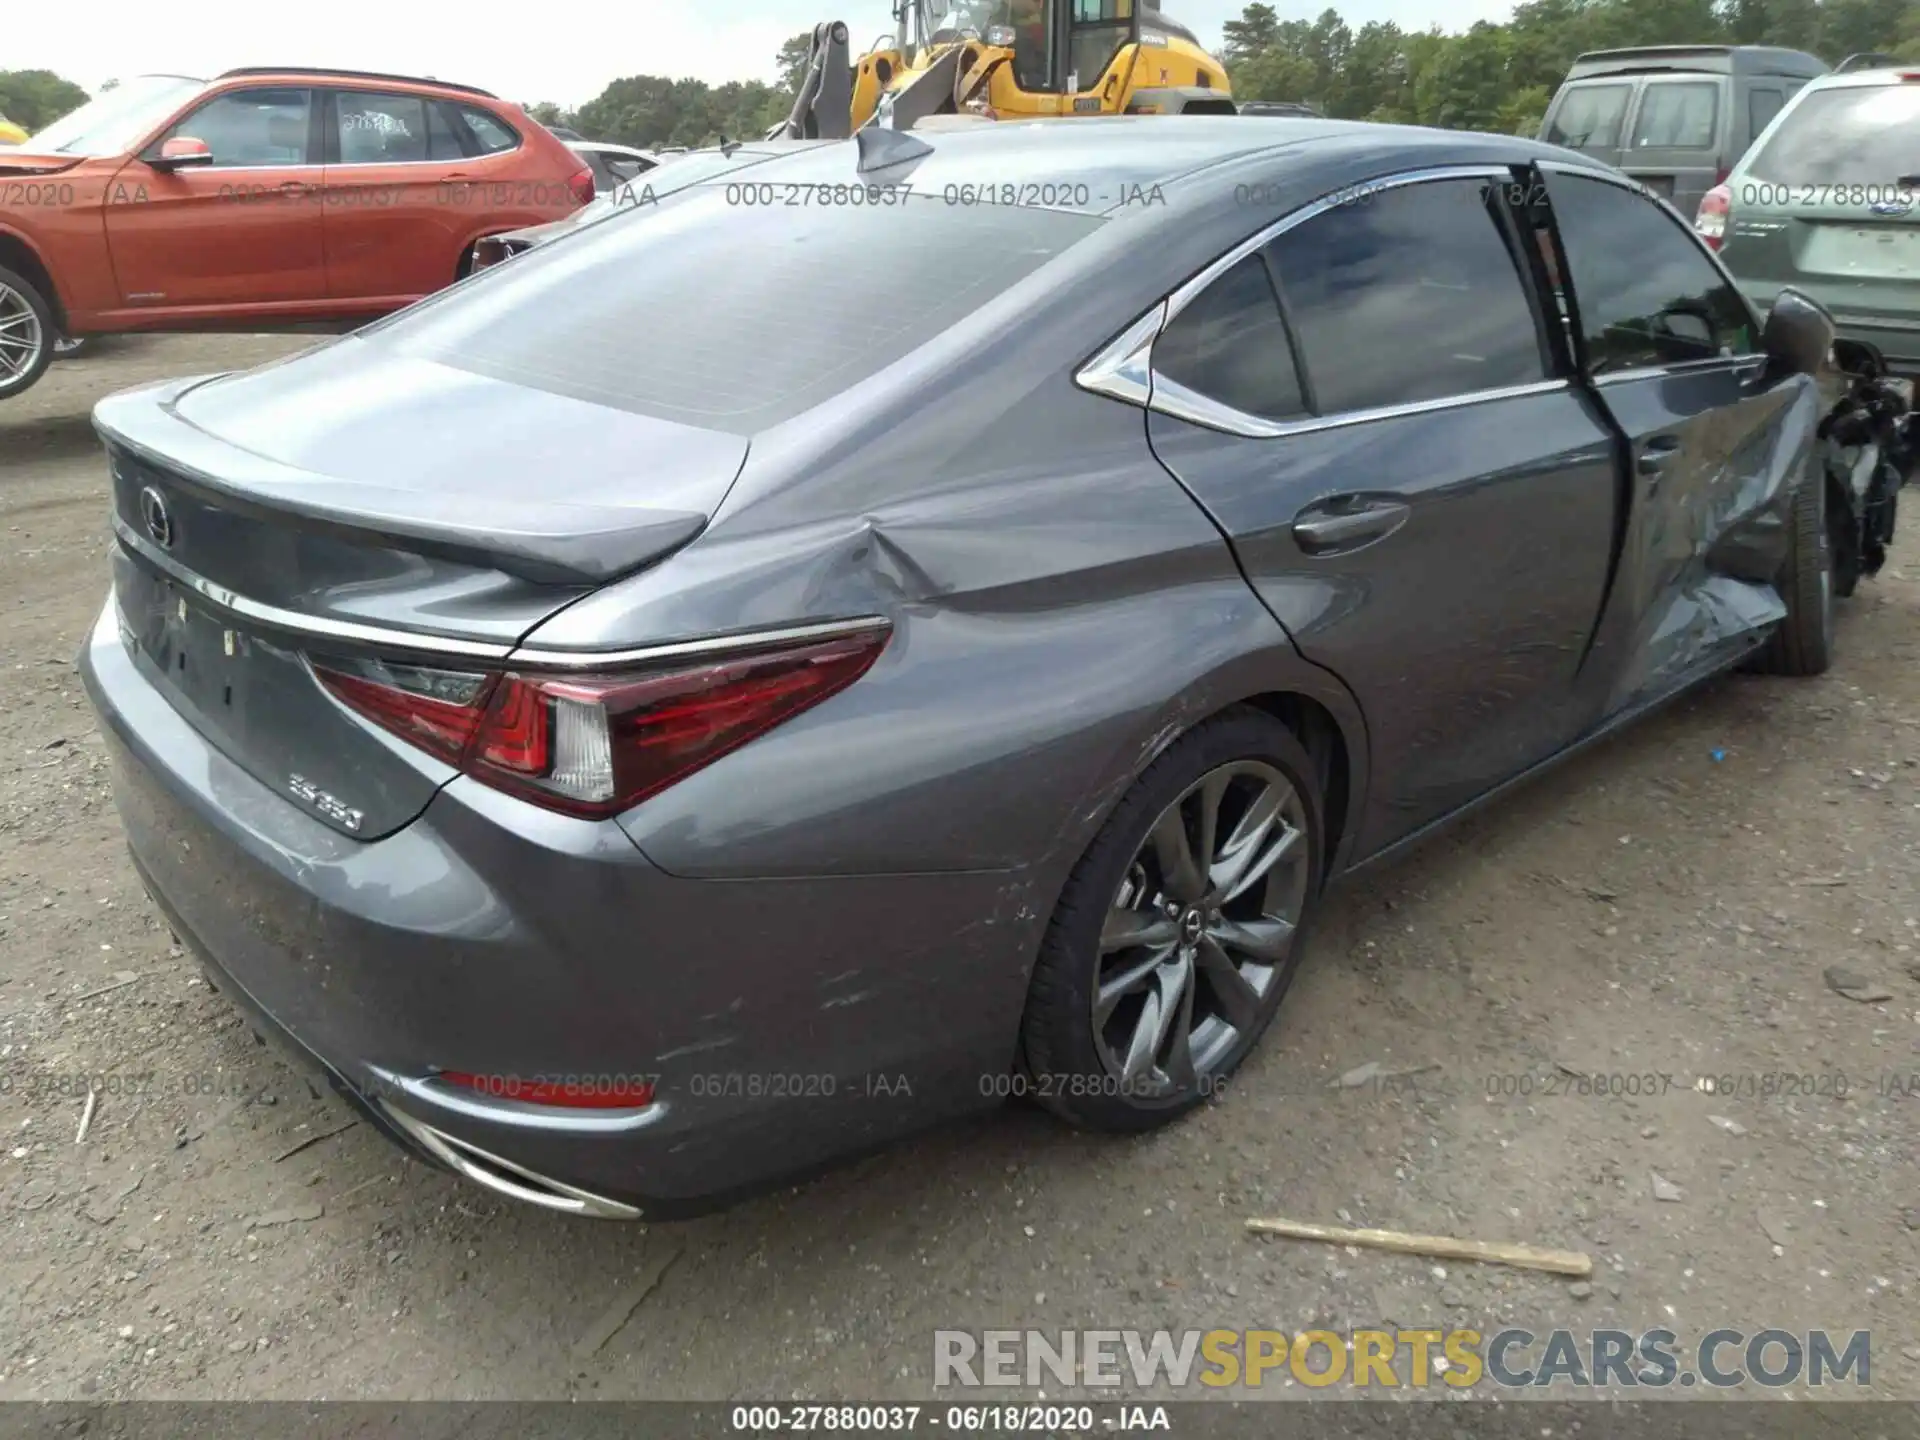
1803,644
1179,931
26,334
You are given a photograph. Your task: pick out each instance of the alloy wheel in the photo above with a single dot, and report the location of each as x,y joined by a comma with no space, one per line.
21,336
1201,930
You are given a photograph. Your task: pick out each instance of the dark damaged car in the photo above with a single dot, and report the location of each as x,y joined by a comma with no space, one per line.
734,686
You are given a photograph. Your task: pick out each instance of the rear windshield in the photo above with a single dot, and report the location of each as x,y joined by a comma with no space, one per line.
1677,116
1849,135
1589,117
729,315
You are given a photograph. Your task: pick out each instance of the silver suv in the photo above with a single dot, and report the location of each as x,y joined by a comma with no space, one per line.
1828,201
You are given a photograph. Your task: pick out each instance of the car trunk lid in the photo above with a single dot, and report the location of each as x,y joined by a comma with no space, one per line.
356,506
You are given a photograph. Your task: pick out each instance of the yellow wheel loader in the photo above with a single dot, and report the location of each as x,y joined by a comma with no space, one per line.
1007,60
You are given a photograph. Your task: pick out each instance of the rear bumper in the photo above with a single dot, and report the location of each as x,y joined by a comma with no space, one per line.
783,1023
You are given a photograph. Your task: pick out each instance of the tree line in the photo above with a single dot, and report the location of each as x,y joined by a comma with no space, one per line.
1493,76
1499,77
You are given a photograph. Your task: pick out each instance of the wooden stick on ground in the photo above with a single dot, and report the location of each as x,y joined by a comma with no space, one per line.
1526,1257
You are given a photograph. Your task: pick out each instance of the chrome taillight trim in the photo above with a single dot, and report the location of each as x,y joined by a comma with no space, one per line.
745,642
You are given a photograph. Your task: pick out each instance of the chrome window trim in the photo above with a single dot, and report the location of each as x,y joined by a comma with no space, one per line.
530,656
1172,398
544,657
1123,369
1120,369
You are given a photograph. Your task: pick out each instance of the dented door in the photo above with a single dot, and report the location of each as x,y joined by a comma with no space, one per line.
1710,441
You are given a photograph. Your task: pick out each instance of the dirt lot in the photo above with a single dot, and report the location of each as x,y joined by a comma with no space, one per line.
1665,906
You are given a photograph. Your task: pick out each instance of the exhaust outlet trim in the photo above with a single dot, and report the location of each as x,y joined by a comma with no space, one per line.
503,1177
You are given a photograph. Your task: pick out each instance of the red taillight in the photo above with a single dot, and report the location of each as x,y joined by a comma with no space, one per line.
438,710
594,743
581,184
579,1092
1710,222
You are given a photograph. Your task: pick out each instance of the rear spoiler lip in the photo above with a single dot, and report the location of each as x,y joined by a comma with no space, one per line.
546,543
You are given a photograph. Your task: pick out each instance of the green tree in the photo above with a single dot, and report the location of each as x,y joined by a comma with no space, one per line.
791,63
1502,76
34,99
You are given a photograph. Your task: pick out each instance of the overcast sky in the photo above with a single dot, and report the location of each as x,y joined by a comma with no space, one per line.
566,52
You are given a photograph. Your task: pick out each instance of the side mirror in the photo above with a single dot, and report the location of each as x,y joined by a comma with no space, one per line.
181,152
1798,334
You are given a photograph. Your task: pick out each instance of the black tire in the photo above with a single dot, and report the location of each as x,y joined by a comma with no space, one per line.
1803,644
1065,1065
12,285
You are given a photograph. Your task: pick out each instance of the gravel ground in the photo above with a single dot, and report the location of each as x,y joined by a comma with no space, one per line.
1667,905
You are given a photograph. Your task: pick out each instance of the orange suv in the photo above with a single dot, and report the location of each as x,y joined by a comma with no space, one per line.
264,199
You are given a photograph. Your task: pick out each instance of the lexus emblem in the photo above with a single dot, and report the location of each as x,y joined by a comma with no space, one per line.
153,510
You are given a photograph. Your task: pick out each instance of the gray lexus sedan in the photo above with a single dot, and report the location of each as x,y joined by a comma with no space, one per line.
921,620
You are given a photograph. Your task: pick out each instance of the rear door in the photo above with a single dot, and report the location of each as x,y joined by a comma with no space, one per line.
1591,116
243,231
1368,404
1712,445
1830,204
1674,144
408,179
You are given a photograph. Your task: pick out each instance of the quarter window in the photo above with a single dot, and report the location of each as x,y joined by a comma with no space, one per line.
378,129
1407,294
260,128
1677,116
488,132
1230,345
1646,293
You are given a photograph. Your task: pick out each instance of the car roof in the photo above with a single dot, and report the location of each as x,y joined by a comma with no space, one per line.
1707,59
1074,164
321,72
1885,75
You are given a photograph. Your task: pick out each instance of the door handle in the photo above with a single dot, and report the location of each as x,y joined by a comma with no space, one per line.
1344,523
1657,454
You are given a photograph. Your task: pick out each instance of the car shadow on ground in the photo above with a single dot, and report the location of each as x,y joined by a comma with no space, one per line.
47,440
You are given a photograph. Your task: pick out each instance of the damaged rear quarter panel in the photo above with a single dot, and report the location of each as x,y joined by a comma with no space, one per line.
1060,609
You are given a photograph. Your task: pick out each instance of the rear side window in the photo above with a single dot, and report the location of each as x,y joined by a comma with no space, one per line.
1231,345
1845,135
732,317
1646,294
1679,115
1410,294
379,129
1589,117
